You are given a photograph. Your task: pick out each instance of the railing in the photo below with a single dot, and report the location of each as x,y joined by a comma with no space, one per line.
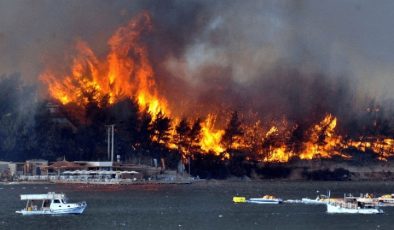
34,178
102,180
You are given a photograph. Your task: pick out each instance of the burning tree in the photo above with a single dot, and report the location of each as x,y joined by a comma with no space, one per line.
99,85
233,133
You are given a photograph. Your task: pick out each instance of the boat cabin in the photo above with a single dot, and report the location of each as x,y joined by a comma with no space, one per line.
42,202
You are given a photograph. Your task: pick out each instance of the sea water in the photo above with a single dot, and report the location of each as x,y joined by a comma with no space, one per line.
203,205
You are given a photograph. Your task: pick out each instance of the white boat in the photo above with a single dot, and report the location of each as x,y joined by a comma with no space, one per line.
50,204
352,208
267,199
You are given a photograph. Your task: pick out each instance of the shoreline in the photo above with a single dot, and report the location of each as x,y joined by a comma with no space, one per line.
103,182
199,181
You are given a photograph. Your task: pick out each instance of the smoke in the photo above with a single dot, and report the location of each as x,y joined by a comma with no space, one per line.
296,59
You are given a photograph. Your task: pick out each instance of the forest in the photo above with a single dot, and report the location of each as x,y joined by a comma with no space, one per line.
34,127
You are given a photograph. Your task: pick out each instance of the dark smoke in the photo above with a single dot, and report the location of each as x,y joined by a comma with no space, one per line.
296,59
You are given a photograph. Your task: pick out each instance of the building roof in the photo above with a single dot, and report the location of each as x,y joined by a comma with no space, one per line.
64,165
96,163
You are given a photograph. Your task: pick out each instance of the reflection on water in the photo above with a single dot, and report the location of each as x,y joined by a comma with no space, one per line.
206,205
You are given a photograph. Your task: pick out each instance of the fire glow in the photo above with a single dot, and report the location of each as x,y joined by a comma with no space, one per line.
127,72
116,77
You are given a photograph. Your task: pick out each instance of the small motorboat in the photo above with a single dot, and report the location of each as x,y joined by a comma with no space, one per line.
267,199
50,204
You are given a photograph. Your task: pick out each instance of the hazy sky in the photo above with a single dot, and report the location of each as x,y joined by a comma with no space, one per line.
246,40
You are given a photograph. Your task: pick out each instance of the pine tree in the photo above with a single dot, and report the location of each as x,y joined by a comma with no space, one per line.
182,140
195,136
233,132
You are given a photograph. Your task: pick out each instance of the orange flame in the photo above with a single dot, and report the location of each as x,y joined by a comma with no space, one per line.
323,141
211,138
384,147
126,72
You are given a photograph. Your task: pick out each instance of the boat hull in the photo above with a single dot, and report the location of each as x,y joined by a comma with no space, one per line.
337,208
264,201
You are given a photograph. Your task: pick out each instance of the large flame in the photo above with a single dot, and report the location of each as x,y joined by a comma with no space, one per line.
211,138
126,71
323,141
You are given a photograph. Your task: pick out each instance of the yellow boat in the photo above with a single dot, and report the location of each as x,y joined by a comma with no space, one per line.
239,199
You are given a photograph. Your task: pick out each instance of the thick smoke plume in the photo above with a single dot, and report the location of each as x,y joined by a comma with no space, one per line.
294,59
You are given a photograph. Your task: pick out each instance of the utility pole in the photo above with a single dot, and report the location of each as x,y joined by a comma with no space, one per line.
110,142
190,161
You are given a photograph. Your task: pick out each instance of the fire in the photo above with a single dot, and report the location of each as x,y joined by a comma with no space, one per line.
272,131
275,153
126,72
279,154
384,147
119,75
323,141
211,138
